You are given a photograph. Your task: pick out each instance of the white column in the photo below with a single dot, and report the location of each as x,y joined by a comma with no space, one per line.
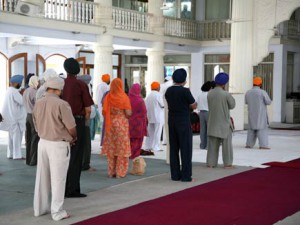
241,70
103,50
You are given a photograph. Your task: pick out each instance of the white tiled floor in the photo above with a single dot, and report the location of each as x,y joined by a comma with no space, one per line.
284,147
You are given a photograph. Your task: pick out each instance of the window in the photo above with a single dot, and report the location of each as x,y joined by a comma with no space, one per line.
214,64
289,74
265,71
217,9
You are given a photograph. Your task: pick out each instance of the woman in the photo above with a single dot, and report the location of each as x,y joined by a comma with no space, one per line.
138,120
116,143
203,113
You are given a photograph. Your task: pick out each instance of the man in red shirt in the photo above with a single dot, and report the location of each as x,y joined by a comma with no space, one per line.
76,93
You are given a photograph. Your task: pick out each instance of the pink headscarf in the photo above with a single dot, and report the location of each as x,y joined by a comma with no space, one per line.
138,119
135,94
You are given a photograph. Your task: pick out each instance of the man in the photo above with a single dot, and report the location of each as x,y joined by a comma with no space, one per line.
163,88
219,124
57,130
31,136
15,116
49,73
87,140
180,102
102,88
155,113
257,101
76,93
203,113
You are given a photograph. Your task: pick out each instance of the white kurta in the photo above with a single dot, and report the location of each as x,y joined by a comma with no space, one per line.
163,89
155,113
14,115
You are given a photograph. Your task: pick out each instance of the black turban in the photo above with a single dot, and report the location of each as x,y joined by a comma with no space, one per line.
72,66
179,76
206,86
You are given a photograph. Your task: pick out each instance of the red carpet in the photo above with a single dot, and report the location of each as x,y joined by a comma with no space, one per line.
291,164
256,197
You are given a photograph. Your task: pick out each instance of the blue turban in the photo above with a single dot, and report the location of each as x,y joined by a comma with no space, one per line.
179,76
72,66
17,79
222,78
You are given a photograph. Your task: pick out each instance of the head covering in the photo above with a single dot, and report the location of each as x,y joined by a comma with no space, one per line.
222,78
257,81
55,83
138,119
28,78
85,78
72,66
167,78
105,78
33,82
115,98
17,79
206,86
179,76
49,73
155,85
135,91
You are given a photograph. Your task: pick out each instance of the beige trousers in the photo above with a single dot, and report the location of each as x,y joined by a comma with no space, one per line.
52,166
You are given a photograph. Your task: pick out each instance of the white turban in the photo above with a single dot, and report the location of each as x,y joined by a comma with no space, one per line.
33,82
55,83
49,73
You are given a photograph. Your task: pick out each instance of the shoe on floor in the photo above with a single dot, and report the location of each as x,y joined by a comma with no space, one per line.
60,215
75,195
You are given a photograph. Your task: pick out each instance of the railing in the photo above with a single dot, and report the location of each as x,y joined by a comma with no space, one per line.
69,10
75,11
290,29
131,20
206,30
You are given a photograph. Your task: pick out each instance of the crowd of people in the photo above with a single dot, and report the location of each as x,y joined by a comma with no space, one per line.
59,114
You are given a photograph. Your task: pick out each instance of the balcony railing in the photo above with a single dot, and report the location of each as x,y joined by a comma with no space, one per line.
206,30
79,11
131,20
290,29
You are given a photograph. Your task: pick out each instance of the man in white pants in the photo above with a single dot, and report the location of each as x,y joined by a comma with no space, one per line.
56,128
155,112
14,115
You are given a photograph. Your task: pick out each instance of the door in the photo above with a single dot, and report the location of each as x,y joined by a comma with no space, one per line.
40,64
17,64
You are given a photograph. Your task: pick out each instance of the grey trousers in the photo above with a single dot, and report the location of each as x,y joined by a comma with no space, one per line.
213,150
261,135
203,115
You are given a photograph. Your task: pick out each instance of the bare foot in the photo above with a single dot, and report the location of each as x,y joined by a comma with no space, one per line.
20,158
229,167
264,148
92,169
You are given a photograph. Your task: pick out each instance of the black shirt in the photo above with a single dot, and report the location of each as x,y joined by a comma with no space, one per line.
179,100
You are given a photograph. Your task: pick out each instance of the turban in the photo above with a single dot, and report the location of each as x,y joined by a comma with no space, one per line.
155,85
257,81
17,79
49,73
179,76
222,78
206,86
55,83
33,82
72,66
85,78
105,77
